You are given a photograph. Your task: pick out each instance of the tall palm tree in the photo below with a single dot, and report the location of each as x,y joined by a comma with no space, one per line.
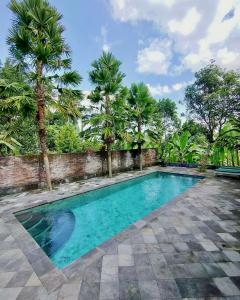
107,78
36,41
142,107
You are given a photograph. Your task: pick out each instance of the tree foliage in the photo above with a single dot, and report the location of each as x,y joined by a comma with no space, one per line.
41,110
107,79
213,98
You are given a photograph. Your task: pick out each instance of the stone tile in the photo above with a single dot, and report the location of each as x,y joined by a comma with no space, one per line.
32,293
227,237
196,288
127,274
203,257
19,279
42,266
109,274
137,239
139,248
226,286
53,280
214,270
187,238
179,258
143,259
14,261
162,238
69,292
180,271
215,226
5,278
109,290
162,271
125,249
230,269
168,289
218,257
236,281
125,260
168,248
233,256
149,239
89,290
149,290
194,246
209,245
196,270
145,273
181,246
92,273
110,261
182,230
129,290
9,293
109,247
33,281
153,248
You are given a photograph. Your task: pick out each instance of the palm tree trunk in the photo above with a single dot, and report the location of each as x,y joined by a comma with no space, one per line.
109,152
232,157
41,124
237,157
140,147
109,160
140,157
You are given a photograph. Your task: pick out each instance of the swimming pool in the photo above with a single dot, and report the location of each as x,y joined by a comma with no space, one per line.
69,228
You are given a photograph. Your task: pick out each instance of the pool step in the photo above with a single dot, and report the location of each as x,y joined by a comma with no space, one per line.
50,231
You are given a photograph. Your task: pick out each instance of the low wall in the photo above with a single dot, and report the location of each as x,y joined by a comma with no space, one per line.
192,165
18,173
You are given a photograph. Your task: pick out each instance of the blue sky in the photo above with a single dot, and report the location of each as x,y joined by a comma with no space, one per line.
160,42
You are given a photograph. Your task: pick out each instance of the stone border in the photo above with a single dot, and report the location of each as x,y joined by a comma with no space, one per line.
51,277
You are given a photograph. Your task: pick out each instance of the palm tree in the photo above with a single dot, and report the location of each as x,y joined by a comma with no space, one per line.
107,78
142,107
36,41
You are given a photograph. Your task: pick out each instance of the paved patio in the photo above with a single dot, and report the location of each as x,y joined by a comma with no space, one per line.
188,248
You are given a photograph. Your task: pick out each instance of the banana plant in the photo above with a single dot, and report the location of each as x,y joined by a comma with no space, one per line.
229,143
184,146
8,142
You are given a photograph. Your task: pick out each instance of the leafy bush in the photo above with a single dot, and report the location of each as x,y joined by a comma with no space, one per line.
67,139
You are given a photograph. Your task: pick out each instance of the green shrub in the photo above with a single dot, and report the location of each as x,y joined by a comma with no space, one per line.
67,139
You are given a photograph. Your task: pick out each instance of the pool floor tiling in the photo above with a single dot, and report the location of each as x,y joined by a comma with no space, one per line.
187,249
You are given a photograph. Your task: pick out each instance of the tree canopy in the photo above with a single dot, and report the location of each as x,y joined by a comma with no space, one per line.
213,98
42,109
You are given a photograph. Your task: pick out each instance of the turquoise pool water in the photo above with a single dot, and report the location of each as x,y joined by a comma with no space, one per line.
69,228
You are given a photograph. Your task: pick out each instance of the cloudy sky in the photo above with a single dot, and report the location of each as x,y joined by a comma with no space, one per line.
160,42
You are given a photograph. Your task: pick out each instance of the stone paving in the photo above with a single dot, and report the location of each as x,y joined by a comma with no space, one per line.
187,249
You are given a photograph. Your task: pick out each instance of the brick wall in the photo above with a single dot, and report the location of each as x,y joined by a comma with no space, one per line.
18,173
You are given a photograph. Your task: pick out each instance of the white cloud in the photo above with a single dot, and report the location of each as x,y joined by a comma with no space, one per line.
155,58
227,57
183,26
106,46
198,30
160,90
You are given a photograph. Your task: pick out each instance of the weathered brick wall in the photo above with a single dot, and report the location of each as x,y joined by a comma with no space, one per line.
18,173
